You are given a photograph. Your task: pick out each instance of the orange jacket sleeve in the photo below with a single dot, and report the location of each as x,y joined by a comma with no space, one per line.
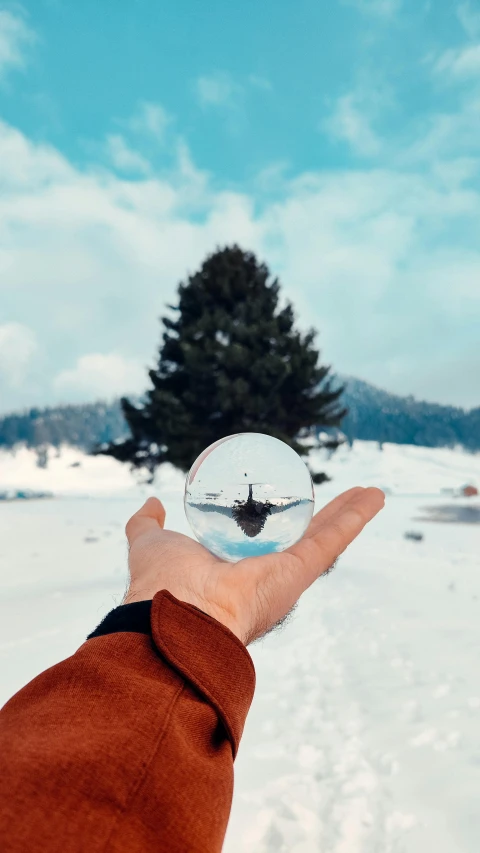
127,746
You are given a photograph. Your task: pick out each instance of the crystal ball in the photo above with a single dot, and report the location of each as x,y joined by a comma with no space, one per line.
248,494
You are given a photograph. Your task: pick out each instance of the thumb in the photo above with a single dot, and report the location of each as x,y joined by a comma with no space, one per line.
149,517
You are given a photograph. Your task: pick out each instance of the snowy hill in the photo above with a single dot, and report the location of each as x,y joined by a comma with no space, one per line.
364,731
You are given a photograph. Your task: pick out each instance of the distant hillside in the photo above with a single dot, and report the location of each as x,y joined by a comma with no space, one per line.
81,426
374,415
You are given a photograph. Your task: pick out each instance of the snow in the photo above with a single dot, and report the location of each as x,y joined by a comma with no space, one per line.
364,734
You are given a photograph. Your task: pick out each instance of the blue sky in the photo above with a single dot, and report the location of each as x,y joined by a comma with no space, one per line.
340,140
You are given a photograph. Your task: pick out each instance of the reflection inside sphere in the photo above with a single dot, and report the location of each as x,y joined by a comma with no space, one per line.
248,494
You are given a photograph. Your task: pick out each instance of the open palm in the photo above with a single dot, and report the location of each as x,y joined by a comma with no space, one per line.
250,596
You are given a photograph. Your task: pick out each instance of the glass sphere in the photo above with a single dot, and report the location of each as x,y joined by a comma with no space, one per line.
248,494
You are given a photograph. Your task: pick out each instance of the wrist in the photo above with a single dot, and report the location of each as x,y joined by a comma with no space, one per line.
135,594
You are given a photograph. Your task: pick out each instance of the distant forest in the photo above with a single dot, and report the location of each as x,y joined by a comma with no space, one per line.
376,415
373,415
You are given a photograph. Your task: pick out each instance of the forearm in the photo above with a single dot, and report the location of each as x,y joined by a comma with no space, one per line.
128,745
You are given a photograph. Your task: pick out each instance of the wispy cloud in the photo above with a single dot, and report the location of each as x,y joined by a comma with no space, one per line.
272,178
459,63
350,122
124,158
378,8
469,19
218,89
259,82
152,119
15,38
220,92
446,137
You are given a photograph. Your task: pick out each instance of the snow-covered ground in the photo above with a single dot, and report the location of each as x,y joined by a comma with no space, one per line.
364,735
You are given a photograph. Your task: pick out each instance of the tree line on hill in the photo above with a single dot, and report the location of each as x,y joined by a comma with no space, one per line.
84,426
373,415
376,415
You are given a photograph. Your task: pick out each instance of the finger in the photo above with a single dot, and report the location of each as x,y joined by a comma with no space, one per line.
289,573
150,516
321,517
278,580
317,553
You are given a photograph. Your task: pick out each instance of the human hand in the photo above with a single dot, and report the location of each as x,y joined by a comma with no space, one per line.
253,595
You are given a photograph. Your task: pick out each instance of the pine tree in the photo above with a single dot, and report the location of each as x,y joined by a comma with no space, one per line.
231,361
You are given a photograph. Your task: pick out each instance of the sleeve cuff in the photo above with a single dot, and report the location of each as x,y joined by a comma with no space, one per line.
198,647
209,656
127,617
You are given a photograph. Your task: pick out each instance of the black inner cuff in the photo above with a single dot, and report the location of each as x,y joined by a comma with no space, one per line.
128,617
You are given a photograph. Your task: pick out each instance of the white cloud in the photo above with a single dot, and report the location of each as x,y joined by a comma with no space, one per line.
151,118
100,375
15,37
469,19
28,165
124,158
217,89
88,261
18,345
460,63
379,8
350,122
